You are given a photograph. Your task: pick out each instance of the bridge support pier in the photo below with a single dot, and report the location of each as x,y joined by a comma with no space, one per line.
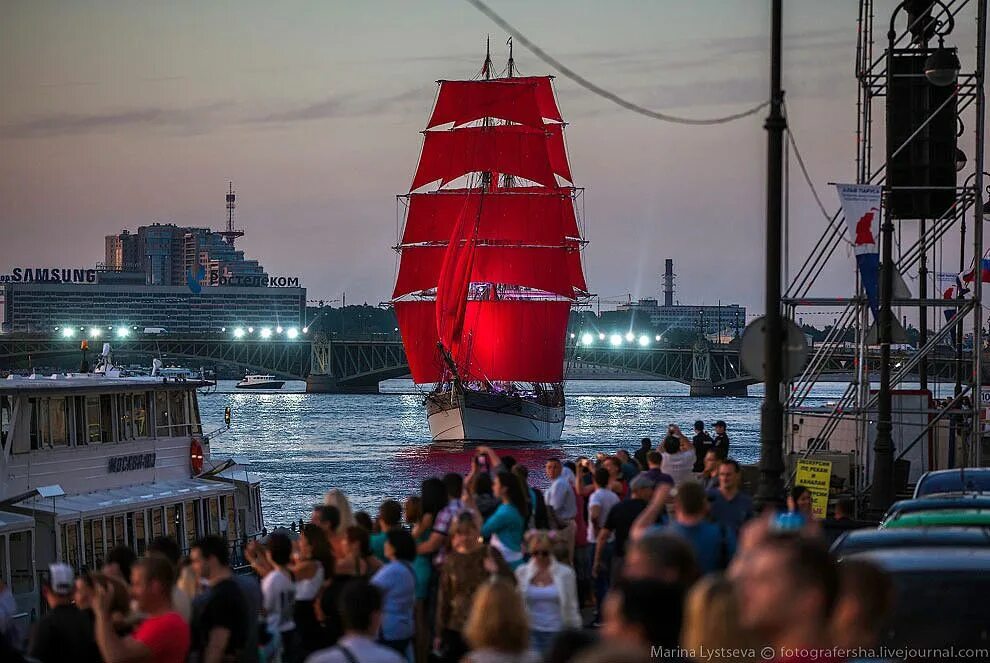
327,384
702,388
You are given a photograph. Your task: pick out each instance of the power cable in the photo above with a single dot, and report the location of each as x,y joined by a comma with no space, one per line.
807,178
600,91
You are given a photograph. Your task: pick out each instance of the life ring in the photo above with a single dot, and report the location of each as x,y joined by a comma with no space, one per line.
196,456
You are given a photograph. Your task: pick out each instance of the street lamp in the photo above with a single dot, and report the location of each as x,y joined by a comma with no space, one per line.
68,332
942,67
615,340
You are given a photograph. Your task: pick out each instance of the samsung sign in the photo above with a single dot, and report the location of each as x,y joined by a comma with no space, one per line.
49,275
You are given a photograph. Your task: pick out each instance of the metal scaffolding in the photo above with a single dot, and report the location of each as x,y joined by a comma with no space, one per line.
934,236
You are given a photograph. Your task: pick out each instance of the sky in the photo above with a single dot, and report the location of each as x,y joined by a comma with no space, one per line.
118,114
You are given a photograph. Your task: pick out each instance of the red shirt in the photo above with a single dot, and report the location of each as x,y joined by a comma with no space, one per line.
167,636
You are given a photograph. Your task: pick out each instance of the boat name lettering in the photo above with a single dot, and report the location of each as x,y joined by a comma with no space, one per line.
129,463
49,275
255,281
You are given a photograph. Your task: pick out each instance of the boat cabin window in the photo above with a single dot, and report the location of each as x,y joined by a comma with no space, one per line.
106,418
194,421
177,413
6,404
49,422
58,417
139,414
93,435
21,547
161,414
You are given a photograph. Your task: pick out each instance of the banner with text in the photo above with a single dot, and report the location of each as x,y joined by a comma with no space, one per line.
816,476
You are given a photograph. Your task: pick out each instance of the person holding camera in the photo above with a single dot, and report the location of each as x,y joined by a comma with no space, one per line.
678,455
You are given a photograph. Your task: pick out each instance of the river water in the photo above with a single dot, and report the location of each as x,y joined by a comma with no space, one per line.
378,446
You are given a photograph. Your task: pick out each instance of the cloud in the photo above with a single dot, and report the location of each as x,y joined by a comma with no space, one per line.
346,105
184,120
336,106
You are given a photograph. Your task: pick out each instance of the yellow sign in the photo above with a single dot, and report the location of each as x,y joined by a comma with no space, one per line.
815,475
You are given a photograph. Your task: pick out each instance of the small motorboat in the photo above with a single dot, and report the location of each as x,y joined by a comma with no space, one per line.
260,382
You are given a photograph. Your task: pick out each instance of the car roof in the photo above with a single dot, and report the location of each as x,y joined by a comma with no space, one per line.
861,540
975,478
973,517
940,502
928,559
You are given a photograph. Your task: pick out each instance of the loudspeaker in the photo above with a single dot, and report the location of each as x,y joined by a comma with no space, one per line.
928,159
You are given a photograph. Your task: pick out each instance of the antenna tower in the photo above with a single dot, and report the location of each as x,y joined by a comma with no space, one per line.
230,234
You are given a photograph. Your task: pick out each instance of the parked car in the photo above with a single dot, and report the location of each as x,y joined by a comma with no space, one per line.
950,583
940,502
947,518
957,480
861,540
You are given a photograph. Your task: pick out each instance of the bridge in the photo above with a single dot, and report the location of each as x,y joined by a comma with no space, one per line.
338,365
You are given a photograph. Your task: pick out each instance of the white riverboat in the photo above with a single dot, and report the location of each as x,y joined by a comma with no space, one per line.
260,382
95,460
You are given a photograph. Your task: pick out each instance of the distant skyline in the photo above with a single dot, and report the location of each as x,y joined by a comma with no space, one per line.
119,114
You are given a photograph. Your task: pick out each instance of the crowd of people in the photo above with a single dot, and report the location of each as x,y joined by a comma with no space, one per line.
623,557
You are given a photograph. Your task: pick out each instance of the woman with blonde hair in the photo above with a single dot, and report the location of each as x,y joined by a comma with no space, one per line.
336,497
496,627
549,591
711,621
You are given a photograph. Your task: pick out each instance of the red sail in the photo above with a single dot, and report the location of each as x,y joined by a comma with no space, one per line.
525,215
558,153
546,268
517,339
511,340
466,101
418,325
511,149
544,94
454,281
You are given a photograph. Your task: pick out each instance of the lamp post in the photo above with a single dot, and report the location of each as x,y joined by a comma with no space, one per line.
771,485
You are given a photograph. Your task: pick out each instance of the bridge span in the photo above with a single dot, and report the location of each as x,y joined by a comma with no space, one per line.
352,365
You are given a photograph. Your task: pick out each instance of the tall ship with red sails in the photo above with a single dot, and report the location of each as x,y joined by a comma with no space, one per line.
490,260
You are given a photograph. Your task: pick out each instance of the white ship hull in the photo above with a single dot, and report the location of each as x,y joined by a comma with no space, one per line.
477,416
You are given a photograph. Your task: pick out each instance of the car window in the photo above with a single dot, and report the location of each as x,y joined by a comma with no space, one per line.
962,609
952,483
